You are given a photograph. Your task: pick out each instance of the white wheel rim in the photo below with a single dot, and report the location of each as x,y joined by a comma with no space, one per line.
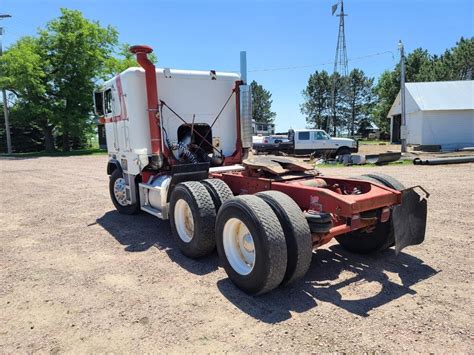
239,246
120,192
184,221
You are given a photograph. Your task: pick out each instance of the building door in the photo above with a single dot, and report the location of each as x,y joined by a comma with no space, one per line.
396,126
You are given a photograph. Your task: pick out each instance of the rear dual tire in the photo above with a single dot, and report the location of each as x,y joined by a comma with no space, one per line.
297,234
193,209
251,244
263,240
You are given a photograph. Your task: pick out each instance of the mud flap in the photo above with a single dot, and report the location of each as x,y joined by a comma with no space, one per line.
409,219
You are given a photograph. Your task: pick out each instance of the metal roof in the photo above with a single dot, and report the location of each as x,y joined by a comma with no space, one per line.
437,95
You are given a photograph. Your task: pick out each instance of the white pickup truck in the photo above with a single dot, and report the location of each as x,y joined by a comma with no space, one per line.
309,141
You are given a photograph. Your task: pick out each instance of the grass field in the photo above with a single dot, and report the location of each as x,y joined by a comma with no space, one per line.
94,151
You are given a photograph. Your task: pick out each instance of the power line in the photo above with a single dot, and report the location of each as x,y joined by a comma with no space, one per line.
320,64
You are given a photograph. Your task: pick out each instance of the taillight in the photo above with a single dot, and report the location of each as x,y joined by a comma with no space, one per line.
265,141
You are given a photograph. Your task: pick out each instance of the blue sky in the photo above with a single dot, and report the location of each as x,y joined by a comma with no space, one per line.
275,33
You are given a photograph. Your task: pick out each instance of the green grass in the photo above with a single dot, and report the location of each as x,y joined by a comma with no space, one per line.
56,153
340,165
372,142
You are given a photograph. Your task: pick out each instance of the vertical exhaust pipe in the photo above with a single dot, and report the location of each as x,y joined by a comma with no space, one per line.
243,66
142,52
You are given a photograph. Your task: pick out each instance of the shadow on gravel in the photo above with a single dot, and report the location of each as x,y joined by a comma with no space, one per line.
140,232
321,283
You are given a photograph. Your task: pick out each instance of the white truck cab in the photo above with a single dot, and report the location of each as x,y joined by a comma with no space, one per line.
307,141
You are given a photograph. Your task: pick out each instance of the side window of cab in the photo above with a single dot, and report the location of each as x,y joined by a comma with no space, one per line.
303,136
320,135
108,101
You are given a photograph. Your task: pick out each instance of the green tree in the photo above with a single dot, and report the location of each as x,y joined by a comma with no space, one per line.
358,100
26,137
54,74
261,104
77,51
386,91
456,63
317,100
25,73
337,106
122,60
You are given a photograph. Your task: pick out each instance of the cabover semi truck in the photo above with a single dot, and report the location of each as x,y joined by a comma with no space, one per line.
178,148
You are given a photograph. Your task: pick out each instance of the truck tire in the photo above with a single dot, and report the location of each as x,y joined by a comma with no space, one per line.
342,151
219,191
299,244
387,180
251,244
382,237
192,216
118,194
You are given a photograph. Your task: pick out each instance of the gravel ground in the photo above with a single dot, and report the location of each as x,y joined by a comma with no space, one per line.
78,277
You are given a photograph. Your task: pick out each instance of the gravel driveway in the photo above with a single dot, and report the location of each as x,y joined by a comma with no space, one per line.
77,276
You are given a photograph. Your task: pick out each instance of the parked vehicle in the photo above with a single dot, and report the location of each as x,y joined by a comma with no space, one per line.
269,143
177,145
307,141
311,141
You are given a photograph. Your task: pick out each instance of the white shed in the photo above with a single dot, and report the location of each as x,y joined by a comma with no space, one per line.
437,113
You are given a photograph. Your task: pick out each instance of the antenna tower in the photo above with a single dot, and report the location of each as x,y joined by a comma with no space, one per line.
340,62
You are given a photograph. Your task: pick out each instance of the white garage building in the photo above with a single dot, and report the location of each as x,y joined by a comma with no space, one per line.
437,113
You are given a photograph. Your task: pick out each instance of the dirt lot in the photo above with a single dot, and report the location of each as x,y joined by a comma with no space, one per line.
77,276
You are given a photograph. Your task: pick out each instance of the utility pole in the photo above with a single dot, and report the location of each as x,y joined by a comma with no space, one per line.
403,128
4,94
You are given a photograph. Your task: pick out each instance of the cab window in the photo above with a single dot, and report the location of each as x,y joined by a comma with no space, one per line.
320,135
108,101
99,103
303,136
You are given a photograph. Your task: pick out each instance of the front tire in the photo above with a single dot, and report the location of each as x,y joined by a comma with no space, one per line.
192,217
343,151
118,194
251,244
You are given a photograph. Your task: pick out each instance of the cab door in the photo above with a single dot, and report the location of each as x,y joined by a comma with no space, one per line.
303,142
320,141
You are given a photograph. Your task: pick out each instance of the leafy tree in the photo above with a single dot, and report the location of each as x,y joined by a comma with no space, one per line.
77,50
317,99
386,90
25,136
337,103
54,74
456,63
419,66
25,71
122,60
358,100
261,104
